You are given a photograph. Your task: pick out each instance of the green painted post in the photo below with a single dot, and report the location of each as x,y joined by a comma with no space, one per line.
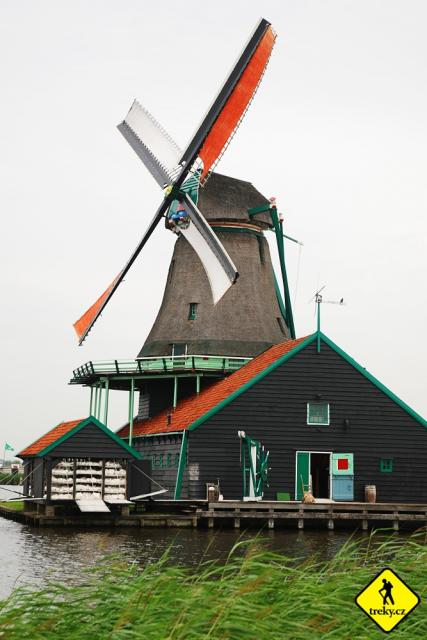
175,392
98,408
131,401
181,466
95,401
107,392
278,228
90,401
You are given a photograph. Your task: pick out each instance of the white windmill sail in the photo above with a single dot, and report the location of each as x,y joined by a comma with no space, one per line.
219,267
154,146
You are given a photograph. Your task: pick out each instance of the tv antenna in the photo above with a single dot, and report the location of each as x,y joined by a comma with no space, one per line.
318,299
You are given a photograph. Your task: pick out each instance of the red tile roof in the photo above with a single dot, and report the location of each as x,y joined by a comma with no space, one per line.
194,407
49,437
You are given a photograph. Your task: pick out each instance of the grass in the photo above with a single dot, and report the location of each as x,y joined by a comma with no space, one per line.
17,505
10,478
255,594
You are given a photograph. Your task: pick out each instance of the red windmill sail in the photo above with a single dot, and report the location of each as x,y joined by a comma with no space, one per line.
237,104
83,324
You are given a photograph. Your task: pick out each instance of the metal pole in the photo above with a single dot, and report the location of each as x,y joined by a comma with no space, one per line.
175,392
318,326
131,399
107,391
197,385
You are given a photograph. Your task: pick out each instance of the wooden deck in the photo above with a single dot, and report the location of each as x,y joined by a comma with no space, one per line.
200,513
353,513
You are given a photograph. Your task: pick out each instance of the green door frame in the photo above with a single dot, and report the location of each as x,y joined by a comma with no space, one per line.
298,487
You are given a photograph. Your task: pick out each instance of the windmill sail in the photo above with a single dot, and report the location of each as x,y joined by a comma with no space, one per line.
88,319
229,107
217,264
151,143
165,161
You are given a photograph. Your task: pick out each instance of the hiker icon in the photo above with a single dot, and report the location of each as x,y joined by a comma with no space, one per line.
387,587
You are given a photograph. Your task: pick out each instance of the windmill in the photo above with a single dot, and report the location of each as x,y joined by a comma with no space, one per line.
181,173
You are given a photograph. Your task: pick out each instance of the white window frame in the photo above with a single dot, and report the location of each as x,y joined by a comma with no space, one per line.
321,424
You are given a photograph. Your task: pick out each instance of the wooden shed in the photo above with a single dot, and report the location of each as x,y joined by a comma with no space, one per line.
327,424
84,463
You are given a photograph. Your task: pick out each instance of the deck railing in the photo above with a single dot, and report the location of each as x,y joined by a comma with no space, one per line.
167,364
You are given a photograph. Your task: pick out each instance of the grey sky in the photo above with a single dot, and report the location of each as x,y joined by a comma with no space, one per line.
337,132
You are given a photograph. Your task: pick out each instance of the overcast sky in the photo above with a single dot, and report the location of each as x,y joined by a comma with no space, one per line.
337,132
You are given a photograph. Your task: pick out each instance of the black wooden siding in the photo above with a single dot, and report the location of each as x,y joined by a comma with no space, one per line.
274,412
157,395
90,442
158,448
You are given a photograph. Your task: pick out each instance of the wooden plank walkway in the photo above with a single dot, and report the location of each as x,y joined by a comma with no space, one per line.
200,513
354,513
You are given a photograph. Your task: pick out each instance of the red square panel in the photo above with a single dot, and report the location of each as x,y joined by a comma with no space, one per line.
342,464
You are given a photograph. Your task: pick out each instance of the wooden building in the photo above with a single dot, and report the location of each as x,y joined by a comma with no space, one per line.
326,422
83,462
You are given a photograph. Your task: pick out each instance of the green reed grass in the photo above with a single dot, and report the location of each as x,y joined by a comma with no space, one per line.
17,505
255,594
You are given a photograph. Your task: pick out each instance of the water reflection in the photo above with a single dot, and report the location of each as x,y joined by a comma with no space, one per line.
35,555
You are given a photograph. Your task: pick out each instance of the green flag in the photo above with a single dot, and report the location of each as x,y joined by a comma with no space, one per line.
8,447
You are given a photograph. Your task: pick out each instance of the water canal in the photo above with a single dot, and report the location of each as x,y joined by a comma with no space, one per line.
33,555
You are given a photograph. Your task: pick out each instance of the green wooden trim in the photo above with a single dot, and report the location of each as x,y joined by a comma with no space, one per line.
181,466
264,208
157,435
374,380
250,383
258,234
81,425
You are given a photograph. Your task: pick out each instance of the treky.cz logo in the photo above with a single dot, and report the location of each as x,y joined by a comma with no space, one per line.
387,600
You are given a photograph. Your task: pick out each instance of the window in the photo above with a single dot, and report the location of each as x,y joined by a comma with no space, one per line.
318,413
386,465
192,311
179,349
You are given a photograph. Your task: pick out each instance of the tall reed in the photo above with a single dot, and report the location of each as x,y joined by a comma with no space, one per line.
255,594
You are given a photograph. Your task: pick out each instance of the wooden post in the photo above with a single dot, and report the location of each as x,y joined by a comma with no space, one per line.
396,521
365,521
237,518
271,519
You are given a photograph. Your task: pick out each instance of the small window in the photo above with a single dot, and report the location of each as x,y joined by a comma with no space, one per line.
386,465
318,413
192,312
179,349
